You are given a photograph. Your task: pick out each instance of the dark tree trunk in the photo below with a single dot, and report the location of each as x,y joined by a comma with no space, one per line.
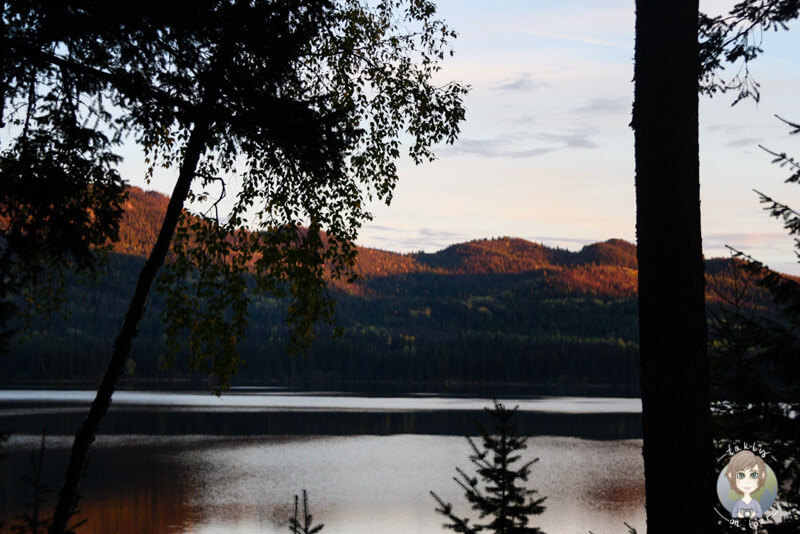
122,345
678,450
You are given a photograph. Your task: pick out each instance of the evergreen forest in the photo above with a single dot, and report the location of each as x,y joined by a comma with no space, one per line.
494,315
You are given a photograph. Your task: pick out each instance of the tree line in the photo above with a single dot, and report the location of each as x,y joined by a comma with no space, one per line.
417,329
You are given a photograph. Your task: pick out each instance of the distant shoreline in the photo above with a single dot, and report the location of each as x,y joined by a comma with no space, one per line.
371,389
26,412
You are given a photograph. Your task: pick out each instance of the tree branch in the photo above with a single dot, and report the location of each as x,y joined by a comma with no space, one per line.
123,83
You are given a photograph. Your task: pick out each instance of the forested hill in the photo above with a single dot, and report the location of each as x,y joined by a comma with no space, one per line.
499,313
607,268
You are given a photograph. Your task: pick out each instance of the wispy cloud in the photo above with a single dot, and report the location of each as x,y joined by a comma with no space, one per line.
432,239
610,106
776,249
509,145
492,148
575,240
724,127
503,146
570,140
747,142
380,228
570,37
529,153
426,239
741,239
523,82
527,119
569,243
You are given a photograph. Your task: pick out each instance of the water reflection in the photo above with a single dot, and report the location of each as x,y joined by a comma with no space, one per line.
204,469
128,486
357,484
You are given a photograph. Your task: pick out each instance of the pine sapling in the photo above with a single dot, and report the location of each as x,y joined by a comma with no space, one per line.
501,499
304,527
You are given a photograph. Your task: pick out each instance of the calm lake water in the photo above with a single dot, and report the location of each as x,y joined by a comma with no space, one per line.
181,463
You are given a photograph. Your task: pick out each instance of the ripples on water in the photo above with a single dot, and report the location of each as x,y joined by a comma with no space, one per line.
356,483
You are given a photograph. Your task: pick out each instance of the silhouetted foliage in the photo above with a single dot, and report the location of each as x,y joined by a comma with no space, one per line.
757,369
301,102
303,524
31,521
60,195
497,492
736,38
631,530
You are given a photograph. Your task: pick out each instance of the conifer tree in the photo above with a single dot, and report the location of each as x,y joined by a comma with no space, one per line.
503,498
757,368
296,526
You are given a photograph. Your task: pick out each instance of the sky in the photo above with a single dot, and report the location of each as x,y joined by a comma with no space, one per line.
546,153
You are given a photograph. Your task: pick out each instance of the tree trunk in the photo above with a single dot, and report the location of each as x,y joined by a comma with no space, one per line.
678,450
67,499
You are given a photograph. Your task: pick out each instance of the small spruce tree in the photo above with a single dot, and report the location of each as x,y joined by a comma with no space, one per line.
503,500
296,526
33,521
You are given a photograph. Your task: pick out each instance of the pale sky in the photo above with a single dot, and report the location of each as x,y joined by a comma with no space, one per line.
546,153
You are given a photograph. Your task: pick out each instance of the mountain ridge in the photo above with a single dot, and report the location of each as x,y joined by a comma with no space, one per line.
143,212
605,269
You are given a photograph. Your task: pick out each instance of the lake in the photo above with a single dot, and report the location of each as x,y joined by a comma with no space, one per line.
195,463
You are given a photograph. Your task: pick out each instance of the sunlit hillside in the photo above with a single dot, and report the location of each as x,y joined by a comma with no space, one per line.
487,312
